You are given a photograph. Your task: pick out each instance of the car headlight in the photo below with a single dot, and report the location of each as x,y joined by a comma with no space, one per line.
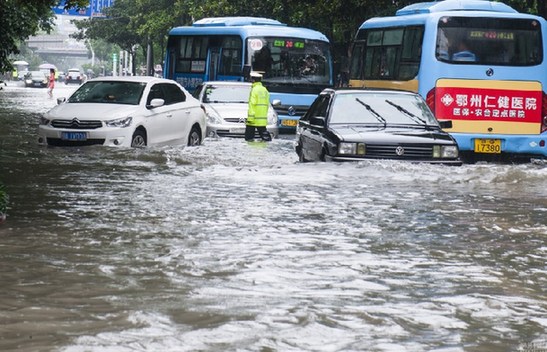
213,116
123,122
346,148
28,81
44,121
445,151
272,117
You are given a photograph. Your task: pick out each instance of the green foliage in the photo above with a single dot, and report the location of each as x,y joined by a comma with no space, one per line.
21,19
132,24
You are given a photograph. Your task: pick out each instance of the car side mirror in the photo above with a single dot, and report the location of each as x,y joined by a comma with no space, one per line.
445,124
318,121
276,102
155,103
61,100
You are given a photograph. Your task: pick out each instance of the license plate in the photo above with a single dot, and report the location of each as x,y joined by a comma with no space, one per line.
74,136
491,146
291,123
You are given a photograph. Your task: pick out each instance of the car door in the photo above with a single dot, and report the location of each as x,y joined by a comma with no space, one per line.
311,133
183,112
159,119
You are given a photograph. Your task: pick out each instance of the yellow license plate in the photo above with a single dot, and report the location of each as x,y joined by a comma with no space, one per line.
291,123
491,146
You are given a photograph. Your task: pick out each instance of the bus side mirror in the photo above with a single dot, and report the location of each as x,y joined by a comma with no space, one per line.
247,73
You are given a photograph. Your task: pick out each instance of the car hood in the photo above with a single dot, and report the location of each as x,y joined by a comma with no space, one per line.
91,111
391,134
229,110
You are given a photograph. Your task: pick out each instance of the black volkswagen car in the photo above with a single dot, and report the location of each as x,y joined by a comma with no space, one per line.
352,125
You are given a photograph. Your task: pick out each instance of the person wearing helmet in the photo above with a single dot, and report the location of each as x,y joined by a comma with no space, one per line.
257,115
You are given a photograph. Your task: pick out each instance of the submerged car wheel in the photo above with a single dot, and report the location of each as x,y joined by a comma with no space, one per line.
323,156
300,153
139,139
194,138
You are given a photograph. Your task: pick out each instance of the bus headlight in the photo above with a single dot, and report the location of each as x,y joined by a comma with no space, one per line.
445,151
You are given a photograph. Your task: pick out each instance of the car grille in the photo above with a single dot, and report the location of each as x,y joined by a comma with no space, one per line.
235,120
77,124
226,133
57,142
399,151
291,110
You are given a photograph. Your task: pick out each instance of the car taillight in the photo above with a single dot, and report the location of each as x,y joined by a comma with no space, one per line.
430,100
544,113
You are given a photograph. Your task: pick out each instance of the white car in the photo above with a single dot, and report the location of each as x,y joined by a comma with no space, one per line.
127,111
74,75
226,104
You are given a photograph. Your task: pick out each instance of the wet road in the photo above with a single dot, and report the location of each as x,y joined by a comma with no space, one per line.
237,247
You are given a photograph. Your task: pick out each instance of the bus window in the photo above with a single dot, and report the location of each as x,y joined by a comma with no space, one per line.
192,54
489,41
232,60
291,60
392,53
356,66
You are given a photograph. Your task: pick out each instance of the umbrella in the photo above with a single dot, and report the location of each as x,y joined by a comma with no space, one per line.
47,66
20,62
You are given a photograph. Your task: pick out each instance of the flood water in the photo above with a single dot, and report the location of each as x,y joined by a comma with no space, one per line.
237,247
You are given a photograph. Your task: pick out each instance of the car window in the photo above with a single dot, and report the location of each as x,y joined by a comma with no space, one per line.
319,107
226,94
173,94
155,93
113,92
379,108
197,91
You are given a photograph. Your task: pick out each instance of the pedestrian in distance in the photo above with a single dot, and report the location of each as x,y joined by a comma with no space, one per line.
257,115
51,82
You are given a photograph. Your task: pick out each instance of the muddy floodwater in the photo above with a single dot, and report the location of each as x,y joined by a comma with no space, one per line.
232,246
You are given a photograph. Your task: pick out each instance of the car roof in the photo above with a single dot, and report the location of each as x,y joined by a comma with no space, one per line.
228,83
138,79
367,91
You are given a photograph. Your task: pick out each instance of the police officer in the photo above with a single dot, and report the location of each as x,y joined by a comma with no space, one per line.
257,115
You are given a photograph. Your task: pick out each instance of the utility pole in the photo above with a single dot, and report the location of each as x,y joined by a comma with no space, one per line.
149,59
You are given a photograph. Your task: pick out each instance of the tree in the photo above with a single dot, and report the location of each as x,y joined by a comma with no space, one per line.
21,19
136,23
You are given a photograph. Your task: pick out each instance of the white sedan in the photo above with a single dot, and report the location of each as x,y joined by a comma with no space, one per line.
226,104
128,111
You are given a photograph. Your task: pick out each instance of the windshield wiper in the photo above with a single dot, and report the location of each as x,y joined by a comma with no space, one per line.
407,113
372,111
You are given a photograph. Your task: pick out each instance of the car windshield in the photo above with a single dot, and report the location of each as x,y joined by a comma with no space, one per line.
36,74
226,94
110,92
380,108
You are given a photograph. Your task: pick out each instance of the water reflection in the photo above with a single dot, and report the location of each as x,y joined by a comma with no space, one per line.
232,247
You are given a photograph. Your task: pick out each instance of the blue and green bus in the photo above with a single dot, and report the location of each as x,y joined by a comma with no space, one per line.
296,63
479,63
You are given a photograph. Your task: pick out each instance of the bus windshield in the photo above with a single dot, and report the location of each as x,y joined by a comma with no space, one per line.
489,41
291,60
